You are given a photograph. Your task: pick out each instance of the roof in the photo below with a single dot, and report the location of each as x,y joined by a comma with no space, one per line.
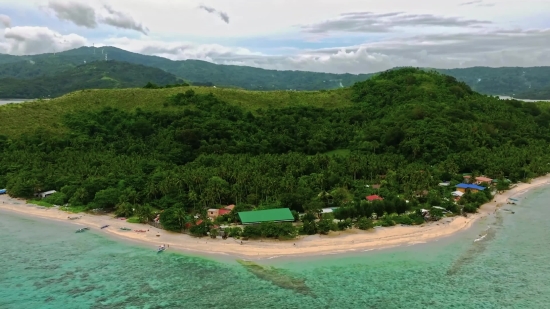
213,210
484,179
373,197
329,210
224,211
230,207
48,192
268,215
457,193
469,186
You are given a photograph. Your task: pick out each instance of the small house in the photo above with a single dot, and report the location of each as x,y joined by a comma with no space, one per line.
45,194
213,213
464,187
481,179
374,197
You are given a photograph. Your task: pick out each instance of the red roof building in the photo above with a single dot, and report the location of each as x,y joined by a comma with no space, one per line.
374,197
223,211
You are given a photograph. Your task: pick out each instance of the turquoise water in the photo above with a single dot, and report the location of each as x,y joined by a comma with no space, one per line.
46,265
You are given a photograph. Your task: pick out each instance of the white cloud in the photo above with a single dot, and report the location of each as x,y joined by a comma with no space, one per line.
84,15
36,40
321,35
5,21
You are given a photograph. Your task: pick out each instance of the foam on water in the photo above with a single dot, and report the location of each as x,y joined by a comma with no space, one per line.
46,265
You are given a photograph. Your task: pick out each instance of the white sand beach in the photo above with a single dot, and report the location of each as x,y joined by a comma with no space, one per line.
335,242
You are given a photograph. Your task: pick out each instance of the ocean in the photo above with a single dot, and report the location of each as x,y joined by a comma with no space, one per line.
45,264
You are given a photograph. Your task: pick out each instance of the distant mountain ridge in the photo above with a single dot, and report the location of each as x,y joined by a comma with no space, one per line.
93,75
494,81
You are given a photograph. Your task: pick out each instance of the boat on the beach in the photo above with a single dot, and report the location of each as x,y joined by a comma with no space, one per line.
104,226
125,228
82,230
160,249
74,218
140,231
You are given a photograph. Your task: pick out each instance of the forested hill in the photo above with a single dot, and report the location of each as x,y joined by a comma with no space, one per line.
508,81
94,75
187,149
542,93
196,71
496,81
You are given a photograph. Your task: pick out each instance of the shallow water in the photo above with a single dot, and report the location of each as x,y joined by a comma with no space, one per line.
50,266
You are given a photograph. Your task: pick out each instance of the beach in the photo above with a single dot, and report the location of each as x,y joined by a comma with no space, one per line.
335,242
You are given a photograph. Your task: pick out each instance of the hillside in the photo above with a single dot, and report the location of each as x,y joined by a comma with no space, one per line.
184,150
507,81
535,94
495,81
94,75
196,71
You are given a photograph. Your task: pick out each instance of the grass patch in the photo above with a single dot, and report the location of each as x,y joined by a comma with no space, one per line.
133,220
39,203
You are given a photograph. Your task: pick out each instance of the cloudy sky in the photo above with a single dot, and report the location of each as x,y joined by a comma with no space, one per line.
355,36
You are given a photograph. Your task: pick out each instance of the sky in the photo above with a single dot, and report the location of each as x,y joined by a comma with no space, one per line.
344,36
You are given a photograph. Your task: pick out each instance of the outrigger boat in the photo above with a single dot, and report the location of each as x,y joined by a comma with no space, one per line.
140,231
74,218
104,226
125,228
161,248
82,230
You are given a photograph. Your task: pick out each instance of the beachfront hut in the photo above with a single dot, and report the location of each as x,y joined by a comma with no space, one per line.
268,215
464,187
213,213
45,194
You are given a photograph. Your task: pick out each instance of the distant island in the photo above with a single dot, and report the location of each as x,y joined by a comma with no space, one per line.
506,81
403,147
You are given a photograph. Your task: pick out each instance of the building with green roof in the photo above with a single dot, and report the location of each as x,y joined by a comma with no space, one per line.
268,215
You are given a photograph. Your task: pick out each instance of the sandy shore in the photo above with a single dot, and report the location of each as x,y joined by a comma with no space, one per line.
336,242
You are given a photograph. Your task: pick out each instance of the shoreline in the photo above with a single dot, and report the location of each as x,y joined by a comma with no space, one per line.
353,240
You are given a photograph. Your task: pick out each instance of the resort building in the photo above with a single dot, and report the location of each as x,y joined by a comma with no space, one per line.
464,187
268,215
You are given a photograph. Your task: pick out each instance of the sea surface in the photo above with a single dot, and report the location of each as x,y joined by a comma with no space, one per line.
45,264
8,101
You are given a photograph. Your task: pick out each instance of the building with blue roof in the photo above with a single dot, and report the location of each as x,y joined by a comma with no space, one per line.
463,187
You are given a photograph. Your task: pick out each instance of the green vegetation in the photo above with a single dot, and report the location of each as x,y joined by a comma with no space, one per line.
502,81
95,75
494,81
183,150
535,94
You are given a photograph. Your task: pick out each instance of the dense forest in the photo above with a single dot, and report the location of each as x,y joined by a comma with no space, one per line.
535,94
95,75
396,135
495,81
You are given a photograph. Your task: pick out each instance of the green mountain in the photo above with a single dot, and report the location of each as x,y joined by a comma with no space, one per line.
183,150
94,75
495,81
196,71
535,94
502,81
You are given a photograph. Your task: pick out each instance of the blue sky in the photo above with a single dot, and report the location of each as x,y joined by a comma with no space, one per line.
355,36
